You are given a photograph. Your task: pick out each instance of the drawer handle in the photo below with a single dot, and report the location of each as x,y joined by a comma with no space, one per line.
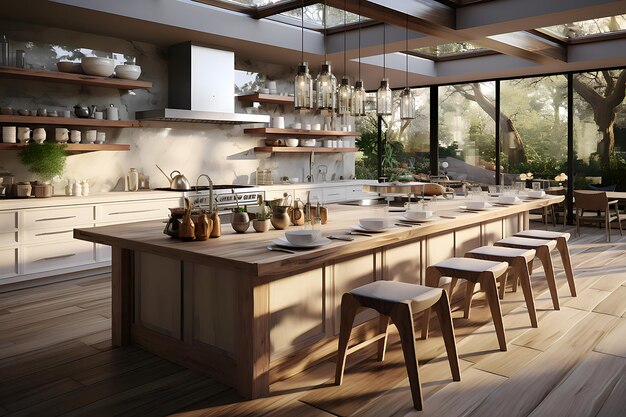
55,218
132,212
50,258
334,194
53,233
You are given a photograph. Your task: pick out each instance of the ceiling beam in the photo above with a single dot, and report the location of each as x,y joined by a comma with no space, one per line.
281,7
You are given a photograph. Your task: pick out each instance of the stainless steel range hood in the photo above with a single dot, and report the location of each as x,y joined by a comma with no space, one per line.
201,88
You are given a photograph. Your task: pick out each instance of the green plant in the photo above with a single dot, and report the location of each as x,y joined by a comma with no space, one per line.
46,160
241,209
264,213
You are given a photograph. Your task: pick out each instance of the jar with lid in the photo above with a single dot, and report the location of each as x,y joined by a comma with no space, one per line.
133,179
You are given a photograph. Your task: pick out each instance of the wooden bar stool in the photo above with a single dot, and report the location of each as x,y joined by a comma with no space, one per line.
543,248
518,260
563,248
474,271
397,301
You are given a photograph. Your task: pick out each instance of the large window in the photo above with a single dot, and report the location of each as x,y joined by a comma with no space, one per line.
467,131
600,129
533,127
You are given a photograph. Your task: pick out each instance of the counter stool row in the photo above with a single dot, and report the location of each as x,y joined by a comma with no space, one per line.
510,257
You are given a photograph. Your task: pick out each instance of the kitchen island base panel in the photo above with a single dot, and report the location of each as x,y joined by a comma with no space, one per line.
250,318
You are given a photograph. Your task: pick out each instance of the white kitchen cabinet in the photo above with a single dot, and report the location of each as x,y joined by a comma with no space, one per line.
9,239
64,254
56,216
272,194
355,192
316,194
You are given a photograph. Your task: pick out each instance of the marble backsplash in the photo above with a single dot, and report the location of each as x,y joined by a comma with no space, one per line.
221,151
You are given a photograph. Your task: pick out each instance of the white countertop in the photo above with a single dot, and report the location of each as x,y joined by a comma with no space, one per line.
62,200
308,185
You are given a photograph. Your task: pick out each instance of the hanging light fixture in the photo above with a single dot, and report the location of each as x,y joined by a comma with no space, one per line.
383,94
358,95
326,83
344,93
303,94
407,104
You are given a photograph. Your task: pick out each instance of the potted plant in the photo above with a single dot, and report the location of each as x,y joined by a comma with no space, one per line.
239,219
46,161
262,221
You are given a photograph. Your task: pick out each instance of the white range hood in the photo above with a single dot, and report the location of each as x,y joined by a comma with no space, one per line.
201,88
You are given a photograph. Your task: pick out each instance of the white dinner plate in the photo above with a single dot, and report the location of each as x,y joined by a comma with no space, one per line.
508,204
360,228
430,219
281,241
477,209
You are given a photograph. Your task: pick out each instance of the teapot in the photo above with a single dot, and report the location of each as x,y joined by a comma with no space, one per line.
177,182
84,112
296,213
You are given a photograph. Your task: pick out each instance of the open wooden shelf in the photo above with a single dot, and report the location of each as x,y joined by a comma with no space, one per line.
67,121
73,148
265,131
69,78
265,98
302,149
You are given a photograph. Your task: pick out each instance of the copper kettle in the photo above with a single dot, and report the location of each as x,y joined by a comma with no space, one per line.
178,181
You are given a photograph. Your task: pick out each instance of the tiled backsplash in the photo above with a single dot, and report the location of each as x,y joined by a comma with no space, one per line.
221,151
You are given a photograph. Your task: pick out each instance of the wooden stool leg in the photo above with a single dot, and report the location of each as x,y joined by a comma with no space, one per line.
442,307
543,253
469,294
402,317
503,281
452,286
561,245
383,325
432,280
520,266
349,307
488,283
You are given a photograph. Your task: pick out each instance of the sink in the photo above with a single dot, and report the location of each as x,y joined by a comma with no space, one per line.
365,202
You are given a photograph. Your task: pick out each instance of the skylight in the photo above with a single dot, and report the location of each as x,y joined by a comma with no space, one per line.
586,28
448,49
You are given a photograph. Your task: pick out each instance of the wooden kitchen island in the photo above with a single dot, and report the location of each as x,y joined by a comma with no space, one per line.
249,317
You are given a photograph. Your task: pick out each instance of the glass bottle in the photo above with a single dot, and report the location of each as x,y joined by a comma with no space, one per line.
4,51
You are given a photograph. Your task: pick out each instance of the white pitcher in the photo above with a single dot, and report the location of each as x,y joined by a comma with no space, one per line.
23,134
39,135
61,135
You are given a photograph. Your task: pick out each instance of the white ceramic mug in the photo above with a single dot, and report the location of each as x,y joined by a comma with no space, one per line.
39,135
278,122
90,136
66,113
98,115
100,137
61,134
271,85
9,134
23,134
75,136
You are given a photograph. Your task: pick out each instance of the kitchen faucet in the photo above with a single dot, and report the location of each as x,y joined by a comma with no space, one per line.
322,170
310,177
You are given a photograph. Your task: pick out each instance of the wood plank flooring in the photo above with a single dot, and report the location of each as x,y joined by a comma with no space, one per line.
56,358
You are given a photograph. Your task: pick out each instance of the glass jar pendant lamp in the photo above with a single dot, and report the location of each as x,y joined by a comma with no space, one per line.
383,94
407,104
344,93
303,83
326,83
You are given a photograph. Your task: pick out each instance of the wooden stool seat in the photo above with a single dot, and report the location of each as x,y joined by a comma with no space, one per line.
518,260
397,301
474,271
563,248
543,247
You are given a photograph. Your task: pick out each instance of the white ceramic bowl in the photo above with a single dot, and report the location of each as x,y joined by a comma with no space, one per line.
67,66
374,223
128,72
536,193
302,237
476,205
292,142
508,199
419,214
307,143
98,66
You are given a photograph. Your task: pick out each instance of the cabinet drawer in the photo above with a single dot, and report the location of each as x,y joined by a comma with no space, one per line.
136,211
54,217
334,194
316,194
8,238
8,221
39,258
273,194
51,234
8,262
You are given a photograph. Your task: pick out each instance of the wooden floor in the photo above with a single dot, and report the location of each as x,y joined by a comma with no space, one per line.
56,358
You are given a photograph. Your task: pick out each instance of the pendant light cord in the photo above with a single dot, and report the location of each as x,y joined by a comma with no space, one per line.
359,39
345,61
384,63
302,16
324,16
406,53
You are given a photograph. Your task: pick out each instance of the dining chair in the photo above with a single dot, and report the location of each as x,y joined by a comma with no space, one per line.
597,202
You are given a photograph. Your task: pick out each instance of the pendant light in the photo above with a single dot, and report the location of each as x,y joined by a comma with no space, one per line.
326,83
407,104
358,96
344,93
303,85
383,94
